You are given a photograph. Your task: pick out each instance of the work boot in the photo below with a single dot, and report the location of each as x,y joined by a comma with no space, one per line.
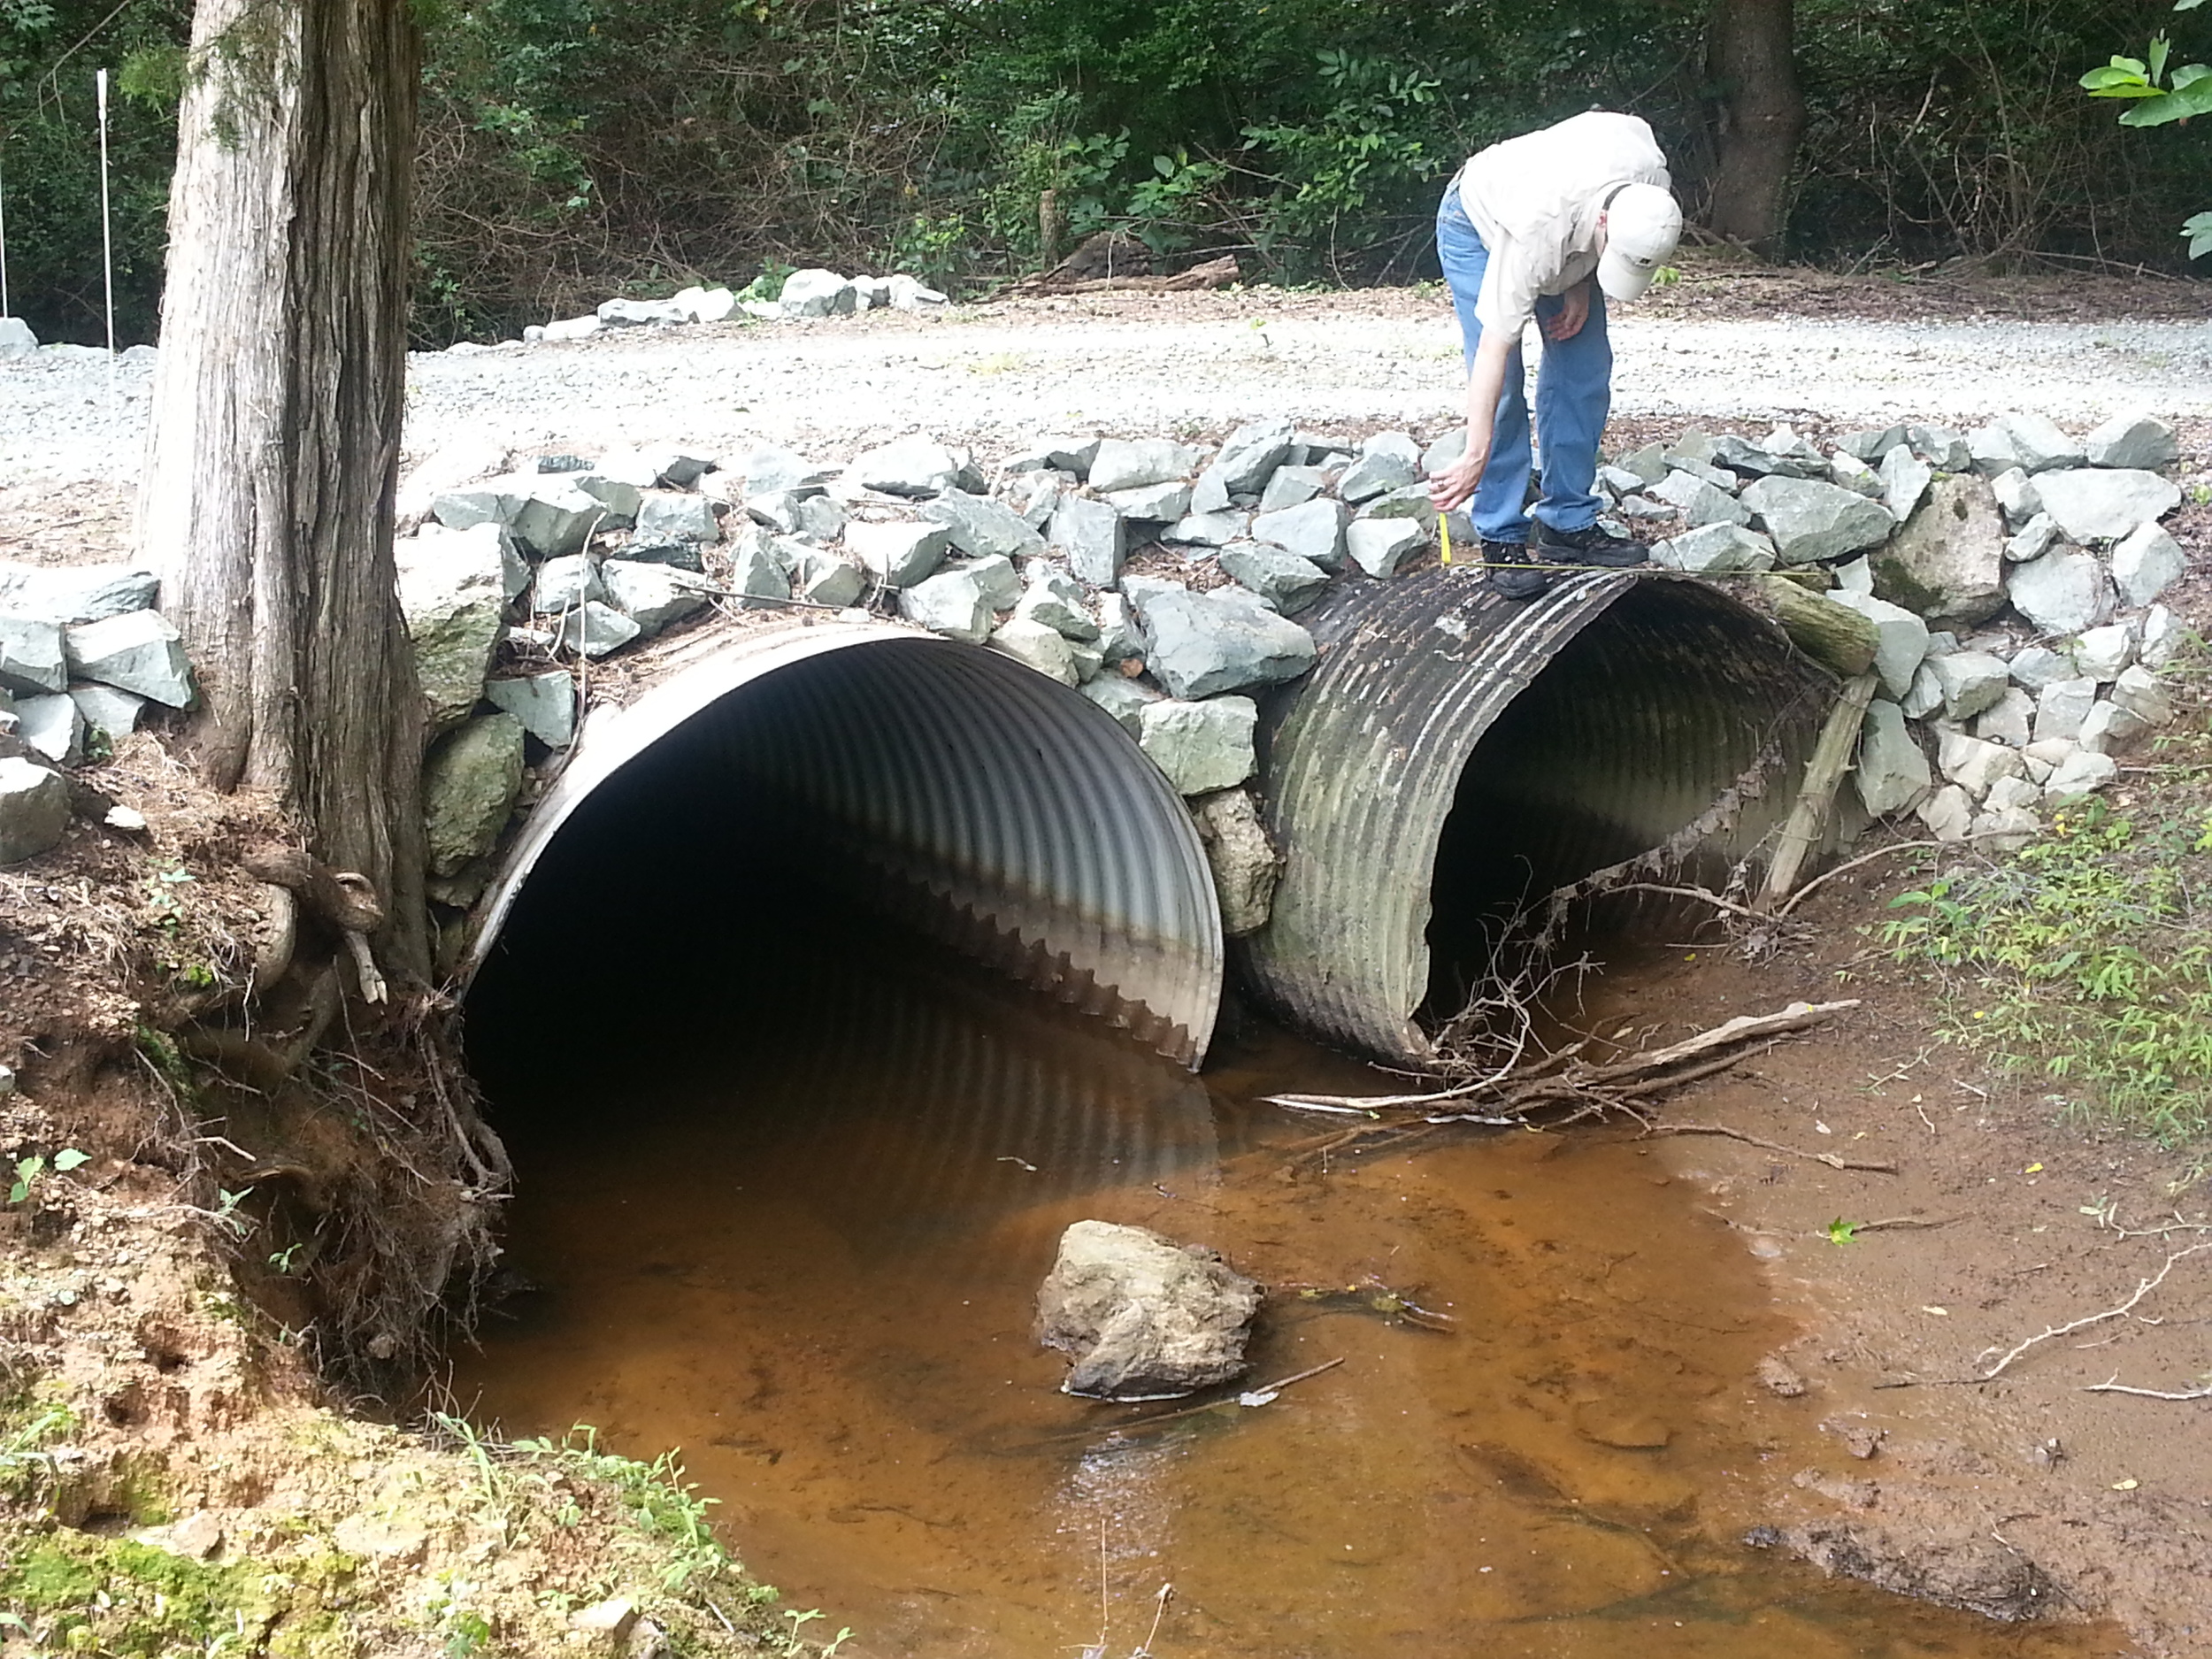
1590,545
1511,575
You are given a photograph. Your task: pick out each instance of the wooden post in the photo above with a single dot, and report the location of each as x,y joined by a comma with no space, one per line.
1808,818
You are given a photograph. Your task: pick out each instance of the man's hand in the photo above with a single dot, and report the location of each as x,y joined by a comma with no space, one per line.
1574,310
1455,484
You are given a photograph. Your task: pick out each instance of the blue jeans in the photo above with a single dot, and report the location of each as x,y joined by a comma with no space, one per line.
1574,394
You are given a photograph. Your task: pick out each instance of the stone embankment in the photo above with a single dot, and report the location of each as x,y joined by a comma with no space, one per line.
2003,584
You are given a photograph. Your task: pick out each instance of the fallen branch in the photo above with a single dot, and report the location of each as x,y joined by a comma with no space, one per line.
2115,1386
2084,1323
1828,1158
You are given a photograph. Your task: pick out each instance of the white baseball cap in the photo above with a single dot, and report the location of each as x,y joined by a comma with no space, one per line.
1642,224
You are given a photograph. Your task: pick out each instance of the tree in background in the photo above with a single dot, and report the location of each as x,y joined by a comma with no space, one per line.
267,503
1750,54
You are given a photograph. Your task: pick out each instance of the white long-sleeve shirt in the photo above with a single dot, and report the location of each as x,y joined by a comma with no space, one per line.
1534,202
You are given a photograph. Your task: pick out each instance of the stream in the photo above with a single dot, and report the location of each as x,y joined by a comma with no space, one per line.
788,1210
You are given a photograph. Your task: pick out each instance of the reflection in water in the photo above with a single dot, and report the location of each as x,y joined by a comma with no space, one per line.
789,1213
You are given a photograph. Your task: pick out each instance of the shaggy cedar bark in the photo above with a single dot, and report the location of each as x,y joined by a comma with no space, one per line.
267,506
1750,55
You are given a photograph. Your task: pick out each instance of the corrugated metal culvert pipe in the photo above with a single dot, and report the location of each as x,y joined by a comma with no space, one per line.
1455,755
994,807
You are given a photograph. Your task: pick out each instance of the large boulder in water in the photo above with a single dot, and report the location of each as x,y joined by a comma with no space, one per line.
1145,1318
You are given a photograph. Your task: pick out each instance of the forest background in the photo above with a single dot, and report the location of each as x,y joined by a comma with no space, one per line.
571,149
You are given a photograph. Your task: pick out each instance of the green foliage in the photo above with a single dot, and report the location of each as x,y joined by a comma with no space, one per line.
1841,1232
2156,96
29,1171
2087,958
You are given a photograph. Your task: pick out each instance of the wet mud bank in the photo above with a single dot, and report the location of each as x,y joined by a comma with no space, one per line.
789,1180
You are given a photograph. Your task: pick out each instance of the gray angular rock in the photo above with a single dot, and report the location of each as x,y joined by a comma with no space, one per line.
34,808
2066,591
1204,644
545,703
951,602
1291,486
1940,447
821,577
1410,502
1719,477
670,516
1200,746
1699,502
1034,645
2145,563
1855,575
2109,728
1057,603
2139,692
899,554
1060,453
2081,773
2033,539
1925,696
1971,681
2164,634
2133,440
621,313
1001,584
453,594
1901,638
2016,495
817,293
1145,1318
64,593
1892,772
1846,471
1212,529
981,527
2039,442
2061,706
1251,453
2036,666
16,340
107,709
1314,530
1905,478
913,466
779,510
1123,698
1290,582
1648,463
1974,764
469,786
34,659
1152,503
2100,654
595,629
1991,451
769,471
1120,636
1123,464
1377,545
907,294
1870,444
1811,520
565,583
651,596
53,725
553,518
1949,813
1093,536
137,651
2096,504
758,576
1387,461
1713,549
1947,564
1245,864
1210,494
2010,720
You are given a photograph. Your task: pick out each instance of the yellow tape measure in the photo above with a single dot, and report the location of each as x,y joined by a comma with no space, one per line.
1444,535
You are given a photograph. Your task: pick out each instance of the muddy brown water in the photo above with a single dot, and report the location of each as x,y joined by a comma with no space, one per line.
792,1218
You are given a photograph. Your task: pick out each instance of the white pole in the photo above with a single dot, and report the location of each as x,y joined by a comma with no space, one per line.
107,239
4,311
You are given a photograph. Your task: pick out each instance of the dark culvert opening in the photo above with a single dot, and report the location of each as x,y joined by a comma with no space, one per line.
1637,727
871,783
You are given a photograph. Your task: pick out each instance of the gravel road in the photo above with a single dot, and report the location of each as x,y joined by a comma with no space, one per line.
1200,364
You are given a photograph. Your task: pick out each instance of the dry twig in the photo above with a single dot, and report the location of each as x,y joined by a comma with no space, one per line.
2141,1290
1828,1158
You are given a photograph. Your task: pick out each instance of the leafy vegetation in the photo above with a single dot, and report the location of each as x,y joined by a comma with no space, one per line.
2086,960
2156,96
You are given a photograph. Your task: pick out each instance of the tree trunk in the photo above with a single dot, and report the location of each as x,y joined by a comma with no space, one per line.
1748,55
267,503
